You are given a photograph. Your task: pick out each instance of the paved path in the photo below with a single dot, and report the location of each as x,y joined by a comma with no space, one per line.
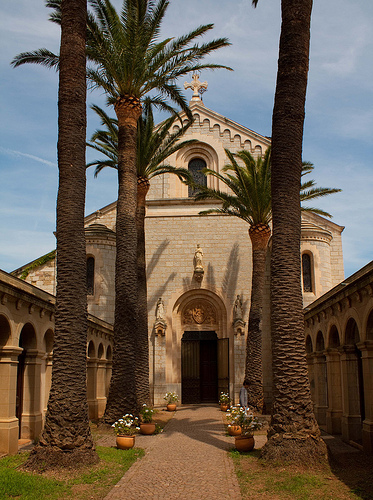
188,460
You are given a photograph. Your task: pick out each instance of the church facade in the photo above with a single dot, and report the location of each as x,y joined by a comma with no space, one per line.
197,343
199,271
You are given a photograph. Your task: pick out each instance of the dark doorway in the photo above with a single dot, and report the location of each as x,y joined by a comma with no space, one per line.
200,368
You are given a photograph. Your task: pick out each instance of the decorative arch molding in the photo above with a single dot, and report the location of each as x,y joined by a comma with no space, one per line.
200,150
199,309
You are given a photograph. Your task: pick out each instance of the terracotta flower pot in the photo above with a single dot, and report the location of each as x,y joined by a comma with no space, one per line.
224,407
244,443
234,430
125,442
171,407
147,428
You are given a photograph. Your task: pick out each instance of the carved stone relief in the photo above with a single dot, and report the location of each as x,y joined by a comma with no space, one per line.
199,311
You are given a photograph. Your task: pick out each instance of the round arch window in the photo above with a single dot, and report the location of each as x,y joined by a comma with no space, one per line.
195,167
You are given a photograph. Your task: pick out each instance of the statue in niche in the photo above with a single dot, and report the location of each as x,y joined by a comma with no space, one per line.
198,254
159,314
237,309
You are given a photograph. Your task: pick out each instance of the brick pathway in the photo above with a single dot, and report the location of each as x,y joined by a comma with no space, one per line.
187,461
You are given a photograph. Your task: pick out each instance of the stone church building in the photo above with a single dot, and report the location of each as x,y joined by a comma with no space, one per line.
199,282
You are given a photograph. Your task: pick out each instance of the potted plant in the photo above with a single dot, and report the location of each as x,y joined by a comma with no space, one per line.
248,423
233,428
146,425
125,429
171,399
224,401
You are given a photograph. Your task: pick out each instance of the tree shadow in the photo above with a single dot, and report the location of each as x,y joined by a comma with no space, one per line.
203,430
156,256
352,466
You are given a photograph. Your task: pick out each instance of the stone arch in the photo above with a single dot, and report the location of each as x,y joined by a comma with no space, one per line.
91,350
369,328
100,352
334,340
320,343
5,331
27,338
209,312
202,347
203,151
352,335
309,347
48,341
109,353
28,385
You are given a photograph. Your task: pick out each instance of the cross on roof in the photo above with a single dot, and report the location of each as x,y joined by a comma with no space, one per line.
197,87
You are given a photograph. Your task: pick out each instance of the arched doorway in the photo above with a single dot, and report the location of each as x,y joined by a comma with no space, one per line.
199,367
204,352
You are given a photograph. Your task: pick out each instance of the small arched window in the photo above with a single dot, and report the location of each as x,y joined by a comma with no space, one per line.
195,167
90,276
307,272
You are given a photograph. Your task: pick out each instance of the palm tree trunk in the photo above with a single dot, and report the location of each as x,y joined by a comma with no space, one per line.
259,236
66,438
122,390
293,434
142,349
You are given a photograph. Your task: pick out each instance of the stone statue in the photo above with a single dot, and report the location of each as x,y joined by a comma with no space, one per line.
159,314
237,310
198,254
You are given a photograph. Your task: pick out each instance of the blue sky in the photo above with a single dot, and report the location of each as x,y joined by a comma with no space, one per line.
339,113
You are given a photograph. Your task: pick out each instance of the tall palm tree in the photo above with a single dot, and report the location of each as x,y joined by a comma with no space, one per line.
154,146
293,433
249,199
130,62
66,438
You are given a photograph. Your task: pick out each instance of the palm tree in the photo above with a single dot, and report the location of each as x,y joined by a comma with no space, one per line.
249,199
293,433
154,146
130,62
66,438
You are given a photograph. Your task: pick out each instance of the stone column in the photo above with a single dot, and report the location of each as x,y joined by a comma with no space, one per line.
351,418
8,390
47,381
334,411
109,365
366,349
32,421
159,366
101,386
92,388
239,359
321,391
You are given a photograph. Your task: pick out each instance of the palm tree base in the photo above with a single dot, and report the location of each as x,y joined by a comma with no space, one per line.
281,448
44,458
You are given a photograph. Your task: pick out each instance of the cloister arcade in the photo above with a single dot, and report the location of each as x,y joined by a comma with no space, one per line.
339,345
26,344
